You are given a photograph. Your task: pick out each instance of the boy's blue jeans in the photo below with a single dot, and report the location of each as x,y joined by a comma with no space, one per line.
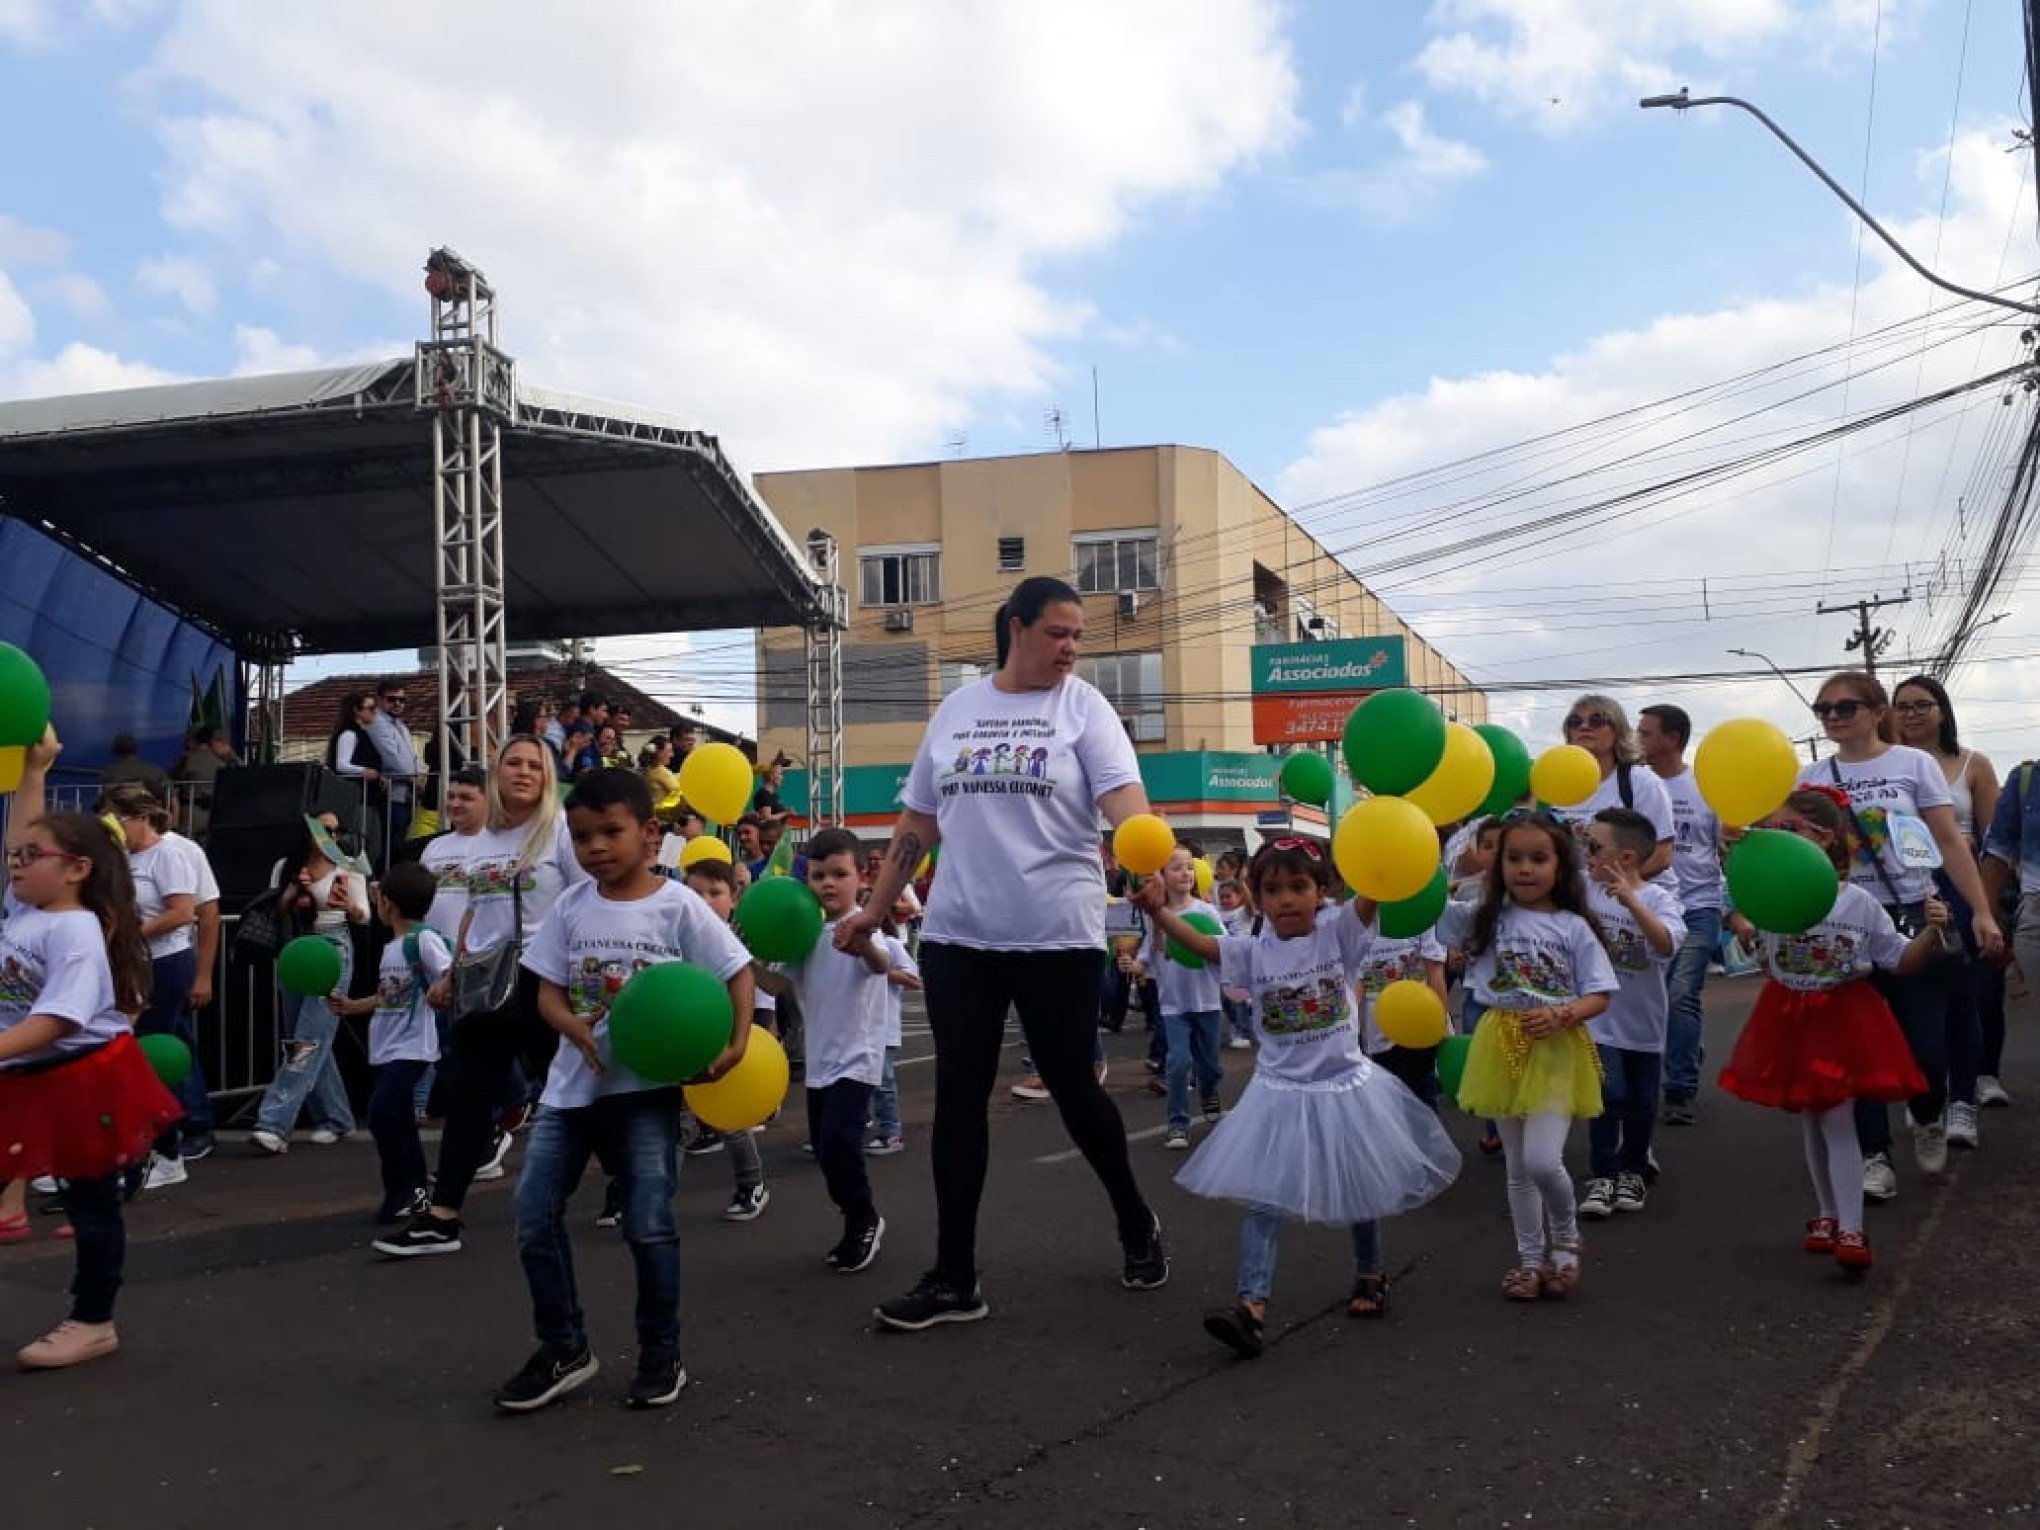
885,1100
636,1137
1192,1042
1618,1139
1687,977
1258,1233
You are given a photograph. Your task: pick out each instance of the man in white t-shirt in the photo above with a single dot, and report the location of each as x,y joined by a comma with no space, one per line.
1664,731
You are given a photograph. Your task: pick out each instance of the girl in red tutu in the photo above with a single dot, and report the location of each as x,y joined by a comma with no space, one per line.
78,1098
1820,1037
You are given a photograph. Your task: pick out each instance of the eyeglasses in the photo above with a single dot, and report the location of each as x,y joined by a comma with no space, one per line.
1843,710
396,701
21,857
1307,846
1577,722
1910,708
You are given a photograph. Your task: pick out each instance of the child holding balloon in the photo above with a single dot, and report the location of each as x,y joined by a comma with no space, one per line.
626,918
1415,958
715,883
1320,1134
78,1096
1187,994
1538,965
1820,1037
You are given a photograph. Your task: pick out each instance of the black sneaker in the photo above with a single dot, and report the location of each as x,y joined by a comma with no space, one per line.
658,1381
933,1300
1212,1109
746,1202
196,1148
707,1140
552,1371
611,1214
859,1247
423,1234
1147,1262
402,1209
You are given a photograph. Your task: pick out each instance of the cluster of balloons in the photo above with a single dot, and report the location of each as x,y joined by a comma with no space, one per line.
673,1019
1745,770
24,712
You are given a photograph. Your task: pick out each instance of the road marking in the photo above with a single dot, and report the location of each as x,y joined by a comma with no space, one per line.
1068,1153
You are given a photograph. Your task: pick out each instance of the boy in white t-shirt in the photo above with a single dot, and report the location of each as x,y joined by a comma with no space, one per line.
624,918
1402,959
887,1137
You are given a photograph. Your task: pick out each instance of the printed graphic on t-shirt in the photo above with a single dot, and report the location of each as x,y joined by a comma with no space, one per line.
19,984
1527,969
1827,955
1000,755
1627,948
491,879
393,989
1397,967
1295,1009
597,980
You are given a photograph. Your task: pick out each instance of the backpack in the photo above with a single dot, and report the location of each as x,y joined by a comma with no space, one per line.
412,959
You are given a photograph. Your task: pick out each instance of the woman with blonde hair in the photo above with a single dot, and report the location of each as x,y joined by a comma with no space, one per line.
1599,725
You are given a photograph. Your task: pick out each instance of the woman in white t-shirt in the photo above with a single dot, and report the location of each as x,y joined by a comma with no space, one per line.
1600,726
1010,778
1903,815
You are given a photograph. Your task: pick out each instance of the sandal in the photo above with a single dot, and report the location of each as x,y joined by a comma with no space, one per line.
15,1229
1522,1284
1237,1329
1820,1235
1490,1144
1556,1281
1369,1298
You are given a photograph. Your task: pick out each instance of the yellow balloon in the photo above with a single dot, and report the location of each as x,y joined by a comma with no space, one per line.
1565,775
1410,1014
716,778
747,1095
1745,769
703,847
1386,849
1205,876
1143,844
13,761
1465,775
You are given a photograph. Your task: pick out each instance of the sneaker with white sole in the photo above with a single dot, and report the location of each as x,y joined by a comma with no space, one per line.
1964,1126
1597,1199
1630,1194
659,1379
1880,1181
859,1247
1031,1088
1240,1044
1146,1261
164,1172
1991,1091
746,1202
326,1136
492,1166
1177,1139
44,1184
1930,1147
69,1343
884,1147
423,1234
933,1300
550,1373
269,1141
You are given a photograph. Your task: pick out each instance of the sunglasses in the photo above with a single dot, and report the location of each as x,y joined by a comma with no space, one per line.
21,857
1578,721
1540,814
1594,846
1911,708
1307,846
396,701
1841,709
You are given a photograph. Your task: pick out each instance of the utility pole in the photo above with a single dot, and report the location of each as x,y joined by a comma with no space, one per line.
1870,641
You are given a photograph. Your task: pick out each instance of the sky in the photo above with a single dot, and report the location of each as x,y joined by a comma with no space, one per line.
1556,375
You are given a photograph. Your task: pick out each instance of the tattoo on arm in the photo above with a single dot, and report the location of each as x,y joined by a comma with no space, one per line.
907,851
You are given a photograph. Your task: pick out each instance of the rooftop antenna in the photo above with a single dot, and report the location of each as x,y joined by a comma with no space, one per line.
1058,426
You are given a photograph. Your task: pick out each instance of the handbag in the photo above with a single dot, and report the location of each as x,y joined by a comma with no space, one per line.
1911,918
485,982
262,929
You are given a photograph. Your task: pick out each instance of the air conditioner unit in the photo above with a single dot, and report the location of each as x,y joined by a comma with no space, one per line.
1129,605
899,621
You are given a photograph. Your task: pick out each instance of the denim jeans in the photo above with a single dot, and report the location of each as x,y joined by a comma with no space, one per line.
836,1116
885,1100
169,1014
1618,1139
1193,1043
1684,1050
1260,1229
309,1070
1239,1017
1920,1003
636,1137
393,1122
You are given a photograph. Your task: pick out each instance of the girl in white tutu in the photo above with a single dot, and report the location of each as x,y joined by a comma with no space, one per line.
1320,1134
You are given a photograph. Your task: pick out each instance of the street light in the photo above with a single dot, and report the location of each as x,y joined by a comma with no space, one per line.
1812,744
1683,102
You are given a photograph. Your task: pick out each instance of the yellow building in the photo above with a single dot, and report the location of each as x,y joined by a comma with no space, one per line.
1187,570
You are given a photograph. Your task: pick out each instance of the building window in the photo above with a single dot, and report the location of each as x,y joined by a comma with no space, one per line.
1012,555
900,576
955,674
1109,564
1132,682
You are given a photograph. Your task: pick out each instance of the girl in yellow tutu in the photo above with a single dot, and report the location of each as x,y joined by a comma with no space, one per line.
1537,963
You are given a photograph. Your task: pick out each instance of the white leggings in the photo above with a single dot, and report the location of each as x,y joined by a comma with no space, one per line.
1834,1161
1541,1204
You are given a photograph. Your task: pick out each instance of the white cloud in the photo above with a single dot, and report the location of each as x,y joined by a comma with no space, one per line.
262,350
26,244
727,211
183,277
17,320
26,22
1403,185
78,368
1628,597
77,292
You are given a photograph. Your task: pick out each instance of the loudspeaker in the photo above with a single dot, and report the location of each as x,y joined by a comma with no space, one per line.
243,856
258,796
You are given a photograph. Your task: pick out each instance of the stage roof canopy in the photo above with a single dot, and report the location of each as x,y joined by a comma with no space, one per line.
296,510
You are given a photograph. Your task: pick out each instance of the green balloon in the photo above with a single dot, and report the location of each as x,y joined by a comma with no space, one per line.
1413,916
24,698
1512,769
1780,882
670,1021
1197,919
170,1057
1452,1053
1307,776
309,967
779,919
1394,740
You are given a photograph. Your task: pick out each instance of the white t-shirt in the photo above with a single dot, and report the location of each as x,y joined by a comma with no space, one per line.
208,884
1636,1016
1013,781
1395,959
1900,780
492,856
161,872
402,1029
594,945
845,1004
902,962
55,964
1302,992
1537,959
1182,990
1696,844
446,857
1856,936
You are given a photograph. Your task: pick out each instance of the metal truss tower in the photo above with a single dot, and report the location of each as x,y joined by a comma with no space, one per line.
469,387
824,647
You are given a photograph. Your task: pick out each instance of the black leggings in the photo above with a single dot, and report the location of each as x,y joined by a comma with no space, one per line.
474,1075
968,992
93,1207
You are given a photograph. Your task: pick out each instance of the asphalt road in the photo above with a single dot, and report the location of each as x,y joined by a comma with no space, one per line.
1707,1373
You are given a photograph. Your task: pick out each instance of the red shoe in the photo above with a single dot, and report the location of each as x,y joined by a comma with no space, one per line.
1820,1235
15,1230
1852,1251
